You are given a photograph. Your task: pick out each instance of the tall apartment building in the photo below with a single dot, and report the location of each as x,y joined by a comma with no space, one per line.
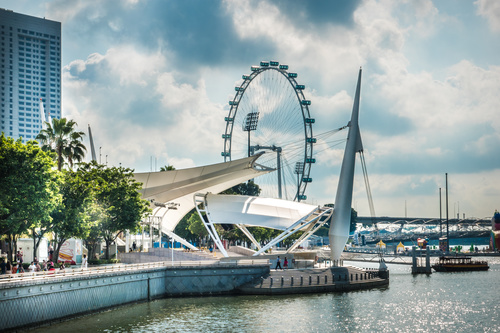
30,70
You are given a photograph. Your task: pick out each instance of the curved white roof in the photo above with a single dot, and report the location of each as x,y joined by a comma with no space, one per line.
179,186
256,211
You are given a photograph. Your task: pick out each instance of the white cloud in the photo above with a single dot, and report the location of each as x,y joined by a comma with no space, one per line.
490,9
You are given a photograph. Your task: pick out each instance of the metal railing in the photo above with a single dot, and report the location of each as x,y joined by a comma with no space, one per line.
72,272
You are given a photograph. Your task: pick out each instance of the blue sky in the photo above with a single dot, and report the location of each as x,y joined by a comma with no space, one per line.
153,78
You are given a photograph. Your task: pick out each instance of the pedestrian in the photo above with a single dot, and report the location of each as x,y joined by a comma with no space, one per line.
51,252
84,262
8,268
134,246
19,256
32,267
278,263
285,263
3,266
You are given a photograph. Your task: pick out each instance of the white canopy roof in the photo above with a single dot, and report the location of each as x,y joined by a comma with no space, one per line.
179,186
256,211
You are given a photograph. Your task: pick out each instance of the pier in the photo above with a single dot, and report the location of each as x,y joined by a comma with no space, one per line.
317,280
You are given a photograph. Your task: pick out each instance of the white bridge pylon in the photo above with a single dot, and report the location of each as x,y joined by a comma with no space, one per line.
246,211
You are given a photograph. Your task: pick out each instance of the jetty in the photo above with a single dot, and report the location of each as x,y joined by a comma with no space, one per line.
316,280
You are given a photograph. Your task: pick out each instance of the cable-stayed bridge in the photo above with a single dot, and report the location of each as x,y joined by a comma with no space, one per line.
394,229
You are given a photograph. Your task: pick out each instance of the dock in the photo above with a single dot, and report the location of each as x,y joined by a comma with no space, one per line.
316,280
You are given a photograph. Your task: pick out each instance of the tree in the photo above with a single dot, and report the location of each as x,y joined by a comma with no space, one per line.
167,168
323,231
70,219
196,227
117,192
29,188
249,188
62,138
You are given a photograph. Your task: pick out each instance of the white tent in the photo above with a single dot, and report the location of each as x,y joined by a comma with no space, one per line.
243,211
171,192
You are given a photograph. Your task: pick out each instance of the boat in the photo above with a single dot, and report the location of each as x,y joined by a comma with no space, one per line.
459,264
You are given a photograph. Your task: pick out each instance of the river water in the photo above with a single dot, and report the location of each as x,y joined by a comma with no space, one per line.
441,302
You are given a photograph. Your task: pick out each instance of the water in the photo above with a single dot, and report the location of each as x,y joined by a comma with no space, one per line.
441,302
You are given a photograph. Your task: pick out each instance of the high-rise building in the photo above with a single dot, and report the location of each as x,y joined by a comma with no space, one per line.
30,71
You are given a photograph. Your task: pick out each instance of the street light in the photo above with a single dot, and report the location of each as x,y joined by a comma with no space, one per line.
299,170
168,206
250,124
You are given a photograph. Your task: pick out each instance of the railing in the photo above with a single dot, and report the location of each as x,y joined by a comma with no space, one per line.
71,272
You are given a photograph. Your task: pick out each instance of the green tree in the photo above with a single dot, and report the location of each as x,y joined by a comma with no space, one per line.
249,188
29,188
323,231
182,228
117,192
167,168
196,227
62,138
70,219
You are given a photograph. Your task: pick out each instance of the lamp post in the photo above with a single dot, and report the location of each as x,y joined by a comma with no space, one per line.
250,124
299,170
168,206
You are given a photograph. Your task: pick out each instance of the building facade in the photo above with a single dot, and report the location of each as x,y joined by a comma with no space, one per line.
30,72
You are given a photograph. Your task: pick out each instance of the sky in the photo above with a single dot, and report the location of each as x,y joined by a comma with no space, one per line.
153,79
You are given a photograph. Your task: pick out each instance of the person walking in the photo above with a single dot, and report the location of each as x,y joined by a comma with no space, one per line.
19,257
278,263
8,268
285,263
3,266
84,262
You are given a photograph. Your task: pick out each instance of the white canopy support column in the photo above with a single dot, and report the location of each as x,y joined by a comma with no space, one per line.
201,208
321,216
181,240
247,233
309,220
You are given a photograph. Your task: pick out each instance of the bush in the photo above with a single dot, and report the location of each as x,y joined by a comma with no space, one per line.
102,261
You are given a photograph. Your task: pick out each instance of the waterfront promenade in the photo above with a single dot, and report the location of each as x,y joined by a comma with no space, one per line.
76,292
27,299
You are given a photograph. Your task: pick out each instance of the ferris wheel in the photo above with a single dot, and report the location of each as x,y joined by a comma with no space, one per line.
270,113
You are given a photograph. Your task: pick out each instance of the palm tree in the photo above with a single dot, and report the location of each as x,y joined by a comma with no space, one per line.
167,168
62,138
75,151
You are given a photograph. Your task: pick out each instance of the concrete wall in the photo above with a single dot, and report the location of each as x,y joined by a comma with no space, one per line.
28,303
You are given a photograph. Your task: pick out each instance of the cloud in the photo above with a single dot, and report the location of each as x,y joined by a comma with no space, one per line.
136,106
490,9
154,78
